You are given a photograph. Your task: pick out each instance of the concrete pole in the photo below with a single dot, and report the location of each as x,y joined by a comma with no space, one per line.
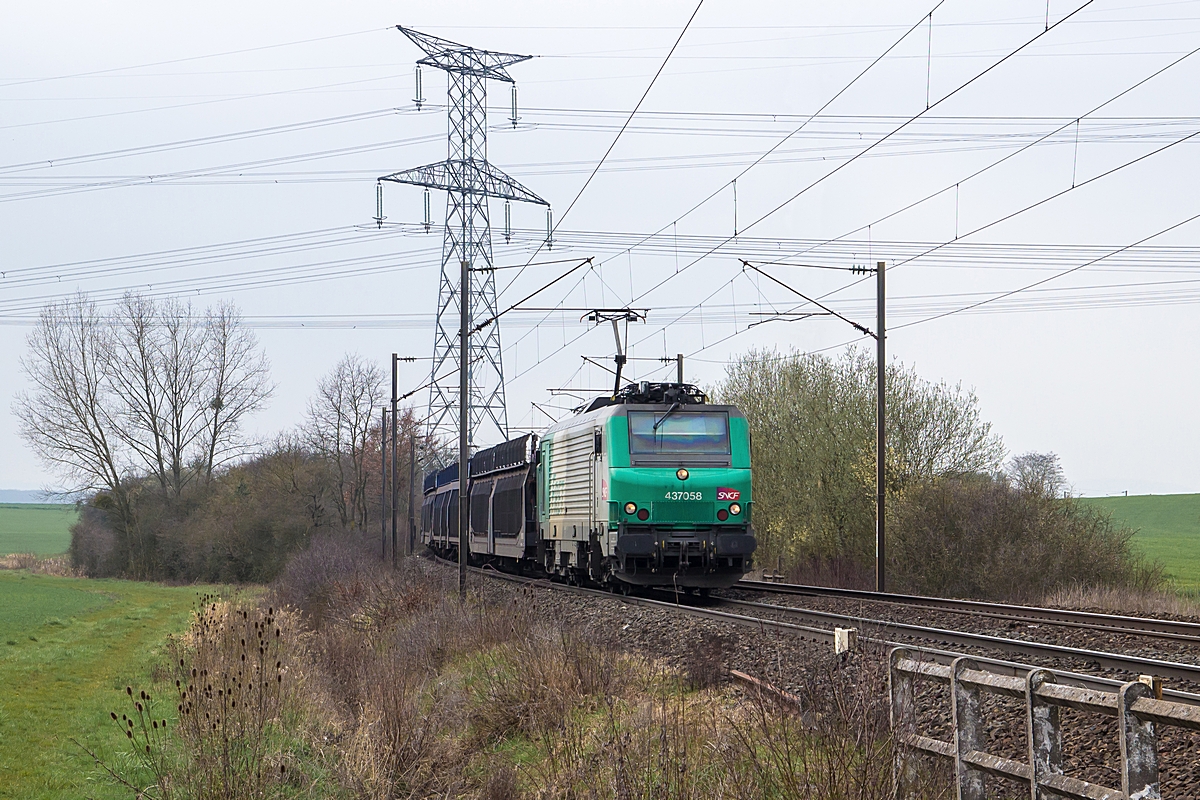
395,400
383,483
412,488
464,417
880,429
679,367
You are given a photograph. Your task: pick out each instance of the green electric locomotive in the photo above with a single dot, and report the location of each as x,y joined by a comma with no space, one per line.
649,487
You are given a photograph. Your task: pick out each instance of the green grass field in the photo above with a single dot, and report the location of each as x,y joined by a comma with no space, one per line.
35,528
1168,530
68,649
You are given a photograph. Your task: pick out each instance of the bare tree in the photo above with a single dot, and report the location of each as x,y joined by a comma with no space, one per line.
182,352
185,381
72,417
152,389
1037,473
339,426
133,365
238,383
290,469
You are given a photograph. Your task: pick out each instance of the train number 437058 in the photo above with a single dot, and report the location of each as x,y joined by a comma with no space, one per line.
684,496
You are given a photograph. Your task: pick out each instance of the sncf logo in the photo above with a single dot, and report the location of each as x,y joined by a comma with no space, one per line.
728,494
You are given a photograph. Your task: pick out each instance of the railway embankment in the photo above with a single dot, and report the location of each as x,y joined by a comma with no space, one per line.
386,685
807,668
390,686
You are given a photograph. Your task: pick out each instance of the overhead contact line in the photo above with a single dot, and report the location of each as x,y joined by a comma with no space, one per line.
782,141
1027,287
868,149
562,218
998,221
830,101
977,173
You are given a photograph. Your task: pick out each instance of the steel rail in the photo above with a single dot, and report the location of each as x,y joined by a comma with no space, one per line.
813,632
1134,665
1109,623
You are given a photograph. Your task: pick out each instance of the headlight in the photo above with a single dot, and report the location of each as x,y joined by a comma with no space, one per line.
682,474
643,515
631,508
722,514
735,508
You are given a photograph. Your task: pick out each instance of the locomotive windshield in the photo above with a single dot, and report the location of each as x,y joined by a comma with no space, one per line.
679,433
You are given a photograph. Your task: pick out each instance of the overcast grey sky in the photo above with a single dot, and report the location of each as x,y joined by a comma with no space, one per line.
230,150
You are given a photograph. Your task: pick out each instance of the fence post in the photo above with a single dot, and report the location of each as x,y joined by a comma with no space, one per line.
1043,733
1139,746
900,690
968,730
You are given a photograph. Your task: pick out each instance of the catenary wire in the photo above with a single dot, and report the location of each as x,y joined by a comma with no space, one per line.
617,138
969,82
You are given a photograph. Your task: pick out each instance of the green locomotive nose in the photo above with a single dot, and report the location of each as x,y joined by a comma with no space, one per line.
707,496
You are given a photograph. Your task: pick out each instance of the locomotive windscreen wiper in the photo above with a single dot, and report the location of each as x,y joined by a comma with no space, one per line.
663,418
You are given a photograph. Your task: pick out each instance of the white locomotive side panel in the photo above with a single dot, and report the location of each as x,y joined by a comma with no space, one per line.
570,478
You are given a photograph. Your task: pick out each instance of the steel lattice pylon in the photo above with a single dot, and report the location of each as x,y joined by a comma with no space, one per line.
468,180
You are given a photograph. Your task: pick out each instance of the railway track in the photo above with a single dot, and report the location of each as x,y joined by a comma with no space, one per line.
887,631
1173,630
818,626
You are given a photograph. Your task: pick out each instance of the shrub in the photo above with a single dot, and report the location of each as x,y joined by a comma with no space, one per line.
387,686
92,541
812,420
240,527
983,536
321,573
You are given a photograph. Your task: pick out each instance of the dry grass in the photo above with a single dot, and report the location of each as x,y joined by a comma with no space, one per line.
247,718
18,561
666,741
389,687
491,699
240,686
39,565
1133,602
434,684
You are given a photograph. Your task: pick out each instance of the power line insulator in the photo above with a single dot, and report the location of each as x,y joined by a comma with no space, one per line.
379,217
